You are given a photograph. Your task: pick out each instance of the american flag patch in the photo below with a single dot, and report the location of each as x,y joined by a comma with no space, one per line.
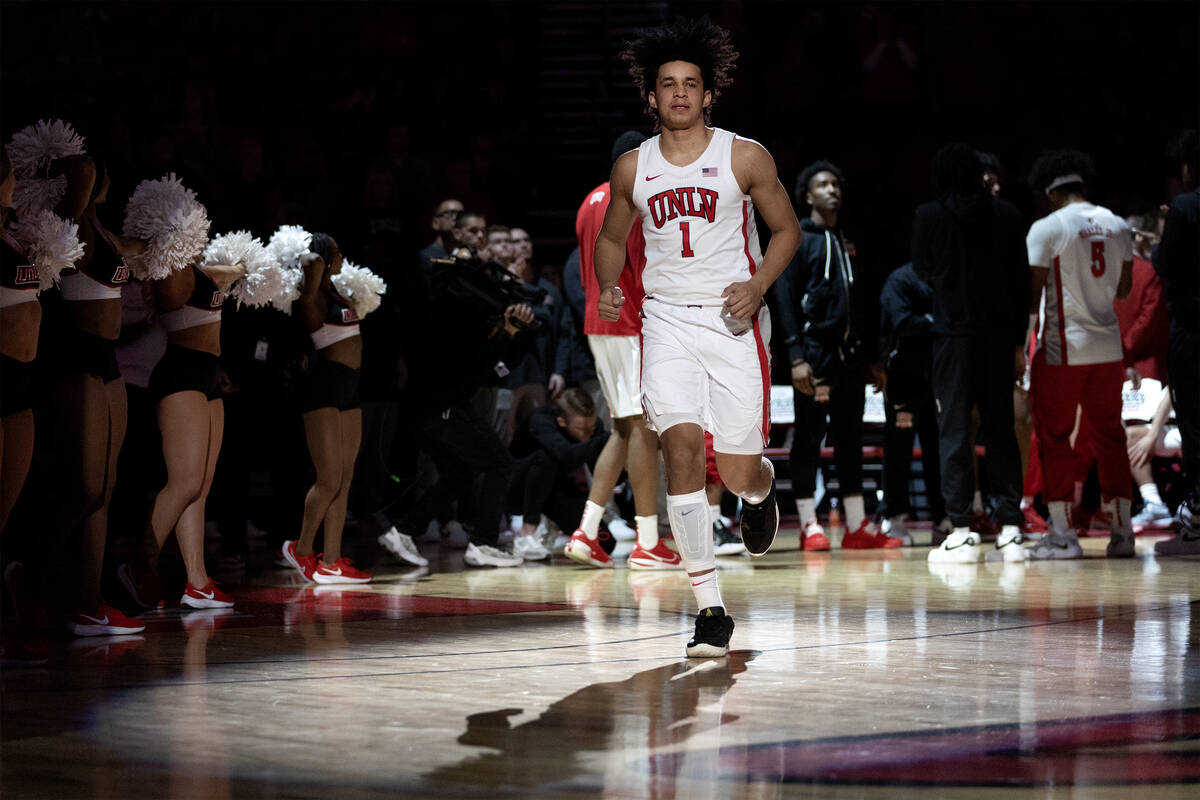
708,172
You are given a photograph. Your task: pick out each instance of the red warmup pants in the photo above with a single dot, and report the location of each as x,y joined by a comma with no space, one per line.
1058,391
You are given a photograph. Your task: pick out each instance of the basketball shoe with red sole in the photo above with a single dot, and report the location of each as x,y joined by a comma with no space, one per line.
1033,521
305,565
658,557
867,537
104,621
207,597
340,571
587,551
813,537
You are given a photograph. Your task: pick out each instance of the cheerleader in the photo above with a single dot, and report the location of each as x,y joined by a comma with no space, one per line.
332,416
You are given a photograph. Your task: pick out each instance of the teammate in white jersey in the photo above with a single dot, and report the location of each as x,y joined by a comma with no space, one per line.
1083,255
705,329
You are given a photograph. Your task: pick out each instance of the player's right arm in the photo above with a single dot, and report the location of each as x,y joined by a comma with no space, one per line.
610,244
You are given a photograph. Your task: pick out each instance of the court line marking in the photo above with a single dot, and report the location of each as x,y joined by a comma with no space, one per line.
171,683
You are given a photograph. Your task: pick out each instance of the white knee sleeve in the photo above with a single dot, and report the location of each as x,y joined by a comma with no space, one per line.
693,530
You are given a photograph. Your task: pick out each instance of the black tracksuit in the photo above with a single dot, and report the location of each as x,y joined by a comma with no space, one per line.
821,302
906,319
1177,260
970,248
544,476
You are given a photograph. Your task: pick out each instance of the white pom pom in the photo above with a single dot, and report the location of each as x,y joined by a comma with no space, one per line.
360,287
33,148
288,244
264,278
32,195
289,289
51,242
165,213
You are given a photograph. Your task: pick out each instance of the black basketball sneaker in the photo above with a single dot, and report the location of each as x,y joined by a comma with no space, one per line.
760,523
713,629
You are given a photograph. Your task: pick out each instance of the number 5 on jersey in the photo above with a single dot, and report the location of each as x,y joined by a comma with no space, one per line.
1098,265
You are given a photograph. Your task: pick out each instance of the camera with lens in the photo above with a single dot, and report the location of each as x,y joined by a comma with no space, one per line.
485,286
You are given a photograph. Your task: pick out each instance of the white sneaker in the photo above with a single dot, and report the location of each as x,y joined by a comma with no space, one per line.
402,547
960,547
482,555
1008,545
1056,546
530,548
1153,515
621,530
456,535
1120,544
897,528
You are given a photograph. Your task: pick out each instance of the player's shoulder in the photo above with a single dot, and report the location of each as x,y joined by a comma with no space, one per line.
745,147
1048,226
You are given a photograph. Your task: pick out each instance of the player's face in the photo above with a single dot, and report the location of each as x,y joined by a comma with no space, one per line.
521,243
825,192
679,95
578,428
443,217
335,260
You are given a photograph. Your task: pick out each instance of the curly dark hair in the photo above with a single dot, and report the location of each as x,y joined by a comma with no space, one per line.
1058,163
804,182
697,41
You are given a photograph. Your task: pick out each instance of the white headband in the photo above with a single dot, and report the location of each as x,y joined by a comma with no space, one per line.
1063,180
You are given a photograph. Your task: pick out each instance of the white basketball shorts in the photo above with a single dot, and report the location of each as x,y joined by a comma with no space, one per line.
619,368
696,369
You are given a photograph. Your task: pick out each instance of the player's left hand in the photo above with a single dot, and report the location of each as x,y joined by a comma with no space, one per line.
1134,377
742,299
877,376
556,385
1019,364
1141,448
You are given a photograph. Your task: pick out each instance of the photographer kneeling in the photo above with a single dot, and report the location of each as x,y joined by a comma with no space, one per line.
551,449
460,337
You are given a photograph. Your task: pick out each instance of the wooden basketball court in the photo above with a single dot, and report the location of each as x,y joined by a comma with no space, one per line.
854,674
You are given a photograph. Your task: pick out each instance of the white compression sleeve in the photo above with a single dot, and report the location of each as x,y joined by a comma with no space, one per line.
693,530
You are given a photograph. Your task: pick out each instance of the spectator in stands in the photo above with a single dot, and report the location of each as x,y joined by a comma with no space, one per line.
468,233
822,314
969,247
444,217
906,319
551,449
1175,261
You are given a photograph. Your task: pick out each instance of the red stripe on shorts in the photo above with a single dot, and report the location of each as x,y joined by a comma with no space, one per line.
1062,323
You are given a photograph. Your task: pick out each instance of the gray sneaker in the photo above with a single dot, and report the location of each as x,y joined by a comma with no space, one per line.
401,546
530,548
483,555
1153,515
1055,546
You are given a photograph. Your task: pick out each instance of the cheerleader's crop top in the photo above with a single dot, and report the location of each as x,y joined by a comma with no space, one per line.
201,308
340,322
19,280
99,279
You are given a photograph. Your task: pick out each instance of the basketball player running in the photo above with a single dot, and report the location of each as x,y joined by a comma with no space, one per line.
1083,255
705,328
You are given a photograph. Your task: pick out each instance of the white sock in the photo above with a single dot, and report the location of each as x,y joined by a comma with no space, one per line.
590,524
977,503
714,512
853,503
647,531
707,591
694,540
1149,492
806,507
1058,516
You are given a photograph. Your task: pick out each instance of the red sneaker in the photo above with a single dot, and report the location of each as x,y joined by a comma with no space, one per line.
813,537
208,597
340,571
658,557
868,537
1033,521
587,551
104,621
305,565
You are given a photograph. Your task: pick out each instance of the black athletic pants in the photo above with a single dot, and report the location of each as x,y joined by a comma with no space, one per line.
897,461
976,371
541,486
844,423
463,445
1183,375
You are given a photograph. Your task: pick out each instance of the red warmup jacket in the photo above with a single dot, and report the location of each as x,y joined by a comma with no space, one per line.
1145,327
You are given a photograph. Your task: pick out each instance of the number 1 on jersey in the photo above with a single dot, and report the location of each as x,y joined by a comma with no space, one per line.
1098,265
684,228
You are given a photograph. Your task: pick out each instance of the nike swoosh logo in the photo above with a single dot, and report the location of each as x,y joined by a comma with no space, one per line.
961,544
650,178
689,511
97,621
206,596
337,571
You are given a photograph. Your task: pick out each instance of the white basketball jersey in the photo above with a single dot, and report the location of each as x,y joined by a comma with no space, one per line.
699,225
1083,246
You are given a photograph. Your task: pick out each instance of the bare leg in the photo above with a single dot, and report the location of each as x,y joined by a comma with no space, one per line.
642,464
322,429
190,527
16,454
335,517
747,476
112,411
609,464
185,422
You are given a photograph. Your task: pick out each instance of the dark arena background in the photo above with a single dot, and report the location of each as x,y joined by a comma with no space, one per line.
857,674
